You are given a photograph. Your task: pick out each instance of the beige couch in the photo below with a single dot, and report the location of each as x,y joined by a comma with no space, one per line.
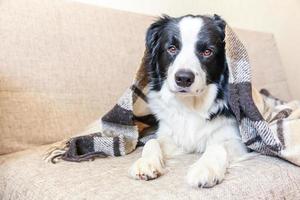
63,64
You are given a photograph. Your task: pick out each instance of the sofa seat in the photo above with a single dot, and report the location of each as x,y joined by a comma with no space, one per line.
24,175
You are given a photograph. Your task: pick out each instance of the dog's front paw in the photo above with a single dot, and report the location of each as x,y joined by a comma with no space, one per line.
146,168
205,175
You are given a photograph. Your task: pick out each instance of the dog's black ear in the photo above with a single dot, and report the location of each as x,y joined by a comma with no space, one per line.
154,32
220,24
219,21
153,37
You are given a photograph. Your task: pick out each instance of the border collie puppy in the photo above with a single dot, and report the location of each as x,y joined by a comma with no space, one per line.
188,95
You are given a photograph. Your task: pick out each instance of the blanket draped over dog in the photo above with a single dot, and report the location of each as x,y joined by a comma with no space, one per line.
267,125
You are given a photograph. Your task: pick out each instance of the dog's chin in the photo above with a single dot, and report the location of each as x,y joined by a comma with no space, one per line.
183,92
187,92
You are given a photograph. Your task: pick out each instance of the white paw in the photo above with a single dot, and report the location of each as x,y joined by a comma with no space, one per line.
205,175
146,168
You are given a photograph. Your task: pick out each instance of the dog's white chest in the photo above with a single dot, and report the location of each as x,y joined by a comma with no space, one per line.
188,128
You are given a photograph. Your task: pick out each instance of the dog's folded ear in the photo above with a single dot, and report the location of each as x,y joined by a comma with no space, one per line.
154,32
220,23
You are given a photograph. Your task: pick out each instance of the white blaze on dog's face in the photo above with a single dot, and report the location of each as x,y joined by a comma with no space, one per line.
186,53
185,73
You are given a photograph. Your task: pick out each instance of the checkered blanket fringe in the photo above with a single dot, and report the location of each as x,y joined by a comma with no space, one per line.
267,125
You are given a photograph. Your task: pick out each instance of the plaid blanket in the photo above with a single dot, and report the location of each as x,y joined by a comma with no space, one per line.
267,125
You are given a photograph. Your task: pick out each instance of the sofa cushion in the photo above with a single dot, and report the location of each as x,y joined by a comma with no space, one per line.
24,175
63,64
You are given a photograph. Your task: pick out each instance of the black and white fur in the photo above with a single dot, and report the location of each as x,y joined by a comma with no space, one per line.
188,75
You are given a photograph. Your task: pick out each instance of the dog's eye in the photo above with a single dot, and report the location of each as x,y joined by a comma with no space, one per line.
206,52
172,49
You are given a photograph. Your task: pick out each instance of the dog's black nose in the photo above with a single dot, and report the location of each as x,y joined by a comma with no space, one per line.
184,78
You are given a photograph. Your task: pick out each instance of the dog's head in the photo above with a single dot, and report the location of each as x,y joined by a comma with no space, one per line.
186,53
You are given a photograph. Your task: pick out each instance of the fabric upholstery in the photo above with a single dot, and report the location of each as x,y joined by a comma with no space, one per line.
59,62
57,58
28,177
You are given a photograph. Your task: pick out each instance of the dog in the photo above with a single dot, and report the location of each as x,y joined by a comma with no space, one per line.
188,75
